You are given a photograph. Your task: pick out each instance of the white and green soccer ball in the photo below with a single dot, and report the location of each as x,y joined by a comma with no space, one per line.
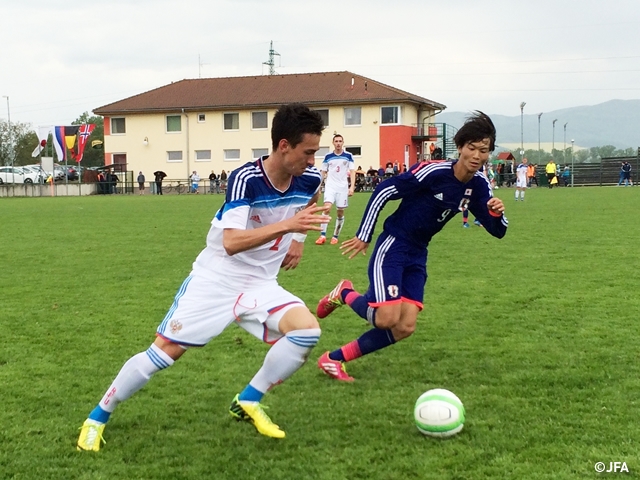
439,413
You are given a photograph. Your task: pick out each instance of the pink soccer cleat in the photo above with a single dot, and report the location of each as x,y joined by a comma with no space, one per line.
334,241
333,300
333,368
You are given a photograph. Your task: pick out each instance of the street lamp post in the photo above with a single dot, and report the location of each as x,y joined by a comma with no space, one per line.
572,162
564,148
522,129
13,178
539,115
553,138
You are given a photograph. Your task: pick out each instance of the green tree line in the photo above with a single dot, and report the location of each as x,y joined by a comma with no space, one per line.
18,142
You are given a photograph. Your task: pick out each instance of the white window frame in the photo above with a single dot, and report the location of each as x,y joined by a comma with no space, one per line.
348,149
166,124
230,129
233,159
124,119
323,110
345,117
169,160
255,155
202,118
253,127
399,110
205,159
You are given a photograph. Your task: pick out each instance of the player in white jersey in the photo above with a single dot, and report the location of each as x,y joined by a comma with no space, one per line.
337,168
269,205
521,180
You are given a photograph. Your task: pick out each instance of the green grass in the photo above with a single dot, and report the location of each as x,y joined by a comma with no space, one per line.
536,333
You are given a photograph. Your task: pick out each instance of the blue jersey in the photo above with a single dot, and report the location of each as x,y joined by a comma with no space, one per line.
431,196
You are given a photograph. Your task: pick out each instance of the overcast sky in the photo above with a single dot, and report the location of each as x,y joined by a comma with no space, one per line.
58,60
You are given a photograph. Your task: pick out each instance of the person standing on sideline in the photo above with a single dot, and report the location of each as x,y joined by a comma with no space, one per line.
550,170
625,174
338,168
521,179
270,205
431,194
195,182
141,180
212,182
159,177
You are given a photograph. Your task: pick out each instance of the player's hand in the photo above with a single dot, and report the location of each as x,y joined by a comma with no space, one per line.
308,219
353,246
495,205
351,191
293,256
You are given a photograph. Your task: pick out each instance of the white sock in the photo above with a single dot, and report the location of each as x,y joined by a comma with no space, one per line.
134,375
522,195
285,358
323,229
517,194
339,224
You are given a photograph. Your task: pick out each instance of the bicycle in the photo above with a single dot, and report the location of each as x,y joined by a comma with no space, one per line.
179,187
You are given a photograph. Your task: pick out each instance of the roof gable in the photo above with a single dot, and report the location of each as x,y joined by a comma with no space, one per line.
262,92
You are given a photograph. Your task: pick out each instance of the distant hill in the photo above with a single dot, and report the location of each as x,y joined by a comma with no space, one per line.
616,122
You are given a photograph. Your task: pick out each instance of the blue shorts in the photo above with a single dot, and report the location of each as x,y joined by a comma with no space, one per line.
397,272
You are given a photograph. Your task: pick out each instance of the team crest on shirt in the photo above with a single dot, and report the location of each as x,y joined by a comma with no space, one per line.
439,196
468,191
175,326
255,218
393,291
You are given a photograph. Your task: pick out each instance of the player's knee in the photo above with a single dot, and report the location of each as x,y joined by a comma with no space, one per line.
298,319
402,330
387,318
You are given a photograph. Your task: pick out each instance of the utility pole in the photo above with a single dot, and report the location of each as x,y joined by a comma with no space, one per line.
10,136
522,105
539,115
553,138
271,63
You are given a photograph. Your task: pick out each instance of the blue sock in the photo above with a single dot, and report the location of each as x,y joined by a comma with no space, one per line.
370,341
99,415
250,394
361,306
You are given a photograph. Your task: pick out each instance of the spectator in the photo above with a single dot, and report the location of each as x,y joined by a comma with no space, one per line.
388,172
113,182
195,182
432,149
437,154
531,175
566,176
212,182
223,180
141,180
159,177
625,174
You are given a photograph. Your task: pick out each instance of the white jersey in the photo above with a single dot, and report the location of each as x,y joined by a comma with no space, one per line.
521,173
252,202
338,168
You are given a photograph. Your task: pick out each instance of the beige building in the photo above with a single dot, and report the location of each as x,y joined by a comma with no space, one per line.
221,123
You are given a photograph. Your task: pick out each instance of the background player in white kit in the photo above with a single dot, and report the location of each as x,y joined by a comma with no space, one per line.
521,179
337,168
234,279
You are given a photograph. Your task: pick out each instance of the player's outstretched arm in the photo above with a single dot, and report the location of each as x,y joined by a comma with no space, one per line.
237,240
353,246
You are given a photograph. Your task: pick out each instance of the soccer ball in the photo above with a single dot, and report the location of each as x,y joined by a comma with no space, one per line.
439,413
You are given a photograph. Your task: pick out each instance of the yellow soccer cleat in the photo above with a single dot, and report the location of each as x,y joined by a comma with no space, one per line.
254,413
91,436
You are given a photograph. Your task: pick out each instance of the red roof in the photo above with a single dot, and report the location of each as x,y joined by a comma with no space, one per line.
506,156
329,88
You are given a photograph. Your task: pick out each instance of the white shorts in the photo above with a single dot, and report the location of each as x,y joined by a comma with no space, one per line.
340,198
521,183
202,309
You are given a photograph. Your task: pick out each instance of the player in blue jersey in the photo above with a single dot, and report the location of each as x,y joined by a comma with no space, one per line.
338,169
234,279
431,194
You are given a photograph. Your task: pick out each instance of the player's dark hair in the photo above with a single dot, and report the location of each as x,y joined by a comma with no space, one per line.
337,135
292,121
475,129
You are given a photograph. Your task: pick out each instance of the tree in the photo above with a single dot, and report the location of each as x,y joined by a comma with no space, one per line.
92,157
13,143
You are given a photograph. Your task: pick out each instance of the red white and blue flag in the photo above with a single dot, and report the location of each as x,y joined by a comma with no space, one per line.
84,132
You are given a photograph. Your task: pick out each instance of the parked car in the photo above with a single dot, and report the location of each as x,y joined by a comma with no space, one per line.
41,175
18,175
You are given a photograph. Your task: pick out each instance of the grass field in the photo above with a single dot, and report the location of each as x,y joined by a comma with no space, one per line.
537,333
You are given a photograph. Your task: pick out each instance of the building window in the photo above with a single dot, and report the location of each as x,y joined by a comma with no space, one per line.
118,126
259,120
232,121
324,114
201,118
174,123
203,155
353,150
322,152
174,156
353,116
259,152
232,155
389,115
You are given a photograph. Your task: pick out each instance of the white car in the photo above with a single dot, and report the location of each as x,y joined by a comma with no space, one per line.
18,175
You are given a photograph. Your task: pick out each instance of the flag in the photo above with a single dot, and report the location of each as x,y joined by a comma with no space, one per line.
63,138
43,135
83,135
